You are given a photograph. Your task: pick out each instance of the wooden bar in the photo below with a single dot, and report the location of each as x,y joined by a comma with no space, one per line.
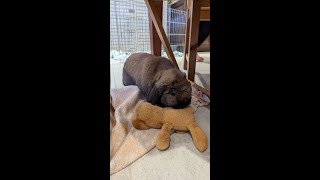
187,58
204,3
155,41
158,26
205,14
193,37
186,46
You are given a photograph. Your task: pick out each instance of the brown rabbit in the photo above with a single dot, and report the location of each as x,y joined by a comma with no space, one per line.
160,82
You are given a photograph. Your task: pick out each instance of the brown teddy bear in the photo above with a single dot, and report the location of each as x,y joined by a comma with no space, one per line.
181,120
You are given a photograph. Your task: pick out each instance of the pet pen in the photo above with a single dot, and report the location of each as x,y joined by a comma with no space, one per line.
176,28
129,28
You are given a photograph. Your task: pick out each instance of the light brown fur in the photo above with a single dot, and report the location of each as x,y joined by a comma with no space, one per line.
182,120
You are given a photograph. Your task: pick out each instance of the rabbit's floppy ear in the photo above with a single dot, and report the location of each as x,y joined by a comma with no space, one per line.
154,96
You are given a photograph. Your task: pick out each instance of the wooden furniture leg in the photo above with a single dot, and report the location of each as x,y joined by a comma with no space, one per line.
157,23
155,41
193,37
186,46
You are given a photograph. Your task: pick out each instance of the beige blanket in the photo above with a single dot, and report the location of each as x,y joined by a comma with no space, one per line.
128,144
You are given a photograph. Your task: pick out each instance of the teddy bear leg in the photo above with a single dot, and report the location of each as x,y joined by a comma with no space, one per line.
163,140
138,124
199,137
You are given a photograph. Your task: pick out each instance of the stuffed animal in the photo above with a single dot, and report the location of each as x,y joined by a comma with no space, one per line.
181,120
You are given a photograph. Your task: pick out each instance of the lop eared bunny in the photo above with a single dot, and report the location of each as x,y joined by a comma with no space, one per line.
158,79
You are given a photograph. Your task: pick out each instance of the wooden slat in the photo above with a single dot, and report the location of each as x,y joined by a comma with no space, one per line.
203,3
205,8
190,57
193,38
177,4
157,23
155,41
205,14
186,45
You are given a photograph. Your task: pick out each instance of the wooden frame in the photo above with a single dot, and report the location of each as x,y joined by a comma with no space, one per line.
158,26
155,41
193,20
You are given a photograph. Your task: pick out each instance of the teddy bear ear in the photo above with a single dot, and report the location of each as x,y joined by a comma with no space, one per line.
155,95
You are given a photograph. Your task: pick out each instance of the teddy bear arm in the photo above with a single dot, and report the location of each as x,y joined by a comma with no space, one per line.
139,124
199,137
163,139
